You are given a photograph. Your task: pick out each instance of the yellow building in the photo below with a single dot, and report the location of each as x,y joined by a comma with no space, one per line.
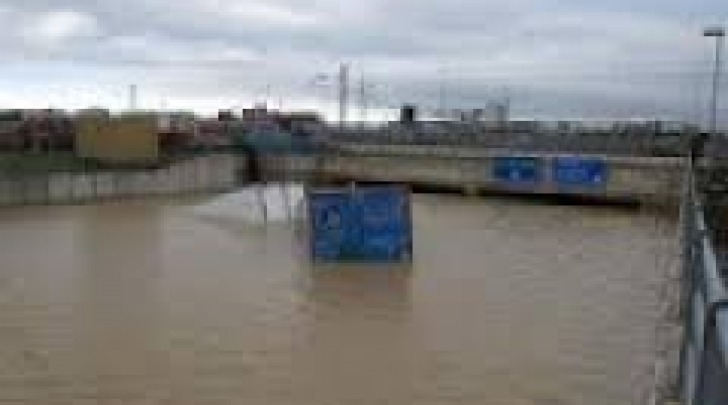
130,138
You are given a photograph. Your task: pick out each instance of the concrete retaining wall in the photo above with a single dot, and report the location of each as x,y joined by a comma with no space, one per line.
200,174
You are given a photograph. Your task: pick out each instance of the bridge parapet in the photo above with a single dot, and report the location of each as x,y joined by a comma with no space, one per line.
602,176
704,353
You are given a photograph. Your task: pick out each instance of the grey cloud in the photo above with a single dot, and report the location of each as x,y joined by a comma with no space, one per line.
556,56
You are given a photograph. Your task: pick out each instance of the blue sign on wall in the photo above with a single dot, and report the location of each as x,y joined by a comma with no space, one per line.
370,224
517,170
574,171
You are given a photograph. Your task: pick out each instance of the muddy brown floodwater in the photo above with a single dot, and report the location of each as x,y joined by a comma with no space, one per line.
508,302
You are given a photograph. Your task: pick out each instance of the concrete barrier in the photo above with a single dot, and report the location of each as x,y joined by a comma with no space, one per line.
104,185
59,187
224,172
84,187
4,192
202,174
36,189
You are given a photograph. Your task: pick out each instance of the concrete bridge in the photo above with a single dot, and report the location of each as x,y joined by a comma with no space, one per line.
626,178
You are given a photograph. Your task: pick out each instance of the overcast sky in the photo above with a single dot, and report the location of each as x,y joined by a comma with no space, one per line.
554,58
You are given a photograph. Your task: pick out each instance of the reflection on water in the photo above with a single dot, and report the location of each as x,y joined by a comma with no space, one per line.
506,303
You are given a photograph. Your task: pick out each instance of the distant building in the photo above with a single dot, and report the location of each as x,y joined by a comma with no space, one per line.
523,126
127,139
497,116
262,120
249,114
11,122
176,130
274,130
225,115
564,127
35,130
211,133
408,114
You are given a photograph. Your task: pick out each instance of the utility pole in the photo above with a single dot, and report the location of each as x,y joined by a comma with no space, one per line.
698,144
343,93
133,97
363,100
443,93
719,34
267,94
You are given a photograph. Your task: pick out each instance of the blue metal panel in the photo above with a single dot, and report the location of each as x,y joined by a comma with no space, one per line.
363,224
574,171
517,170
328,211
383,220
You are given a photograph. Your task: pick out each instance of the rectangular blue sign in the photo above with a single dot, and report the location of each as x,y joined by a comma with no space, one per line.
327,213
517,170
369,224
574,171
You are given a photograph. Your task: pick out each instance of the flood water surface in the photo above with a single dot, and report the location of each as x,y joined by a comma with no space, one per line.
507,302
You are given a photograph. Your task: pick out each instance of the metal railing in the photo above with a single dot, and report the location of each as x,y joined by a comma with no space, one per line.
704,353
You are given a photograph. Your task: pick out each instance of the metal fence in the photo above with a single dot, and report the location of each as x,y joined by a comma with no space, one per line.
704,354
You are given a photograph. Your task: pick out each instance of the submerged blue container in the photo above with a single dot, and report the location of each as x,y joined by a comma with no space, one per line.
362,224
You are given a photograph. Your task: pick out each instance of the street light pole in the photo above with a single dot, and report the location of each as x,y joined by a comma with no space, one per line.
719,34
698,146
